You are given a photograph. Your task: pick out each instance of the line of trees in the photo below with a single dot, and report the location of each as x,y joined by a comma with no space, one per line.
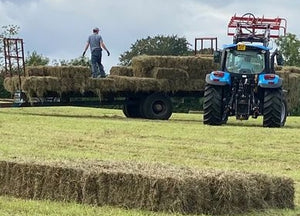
157,45
289,46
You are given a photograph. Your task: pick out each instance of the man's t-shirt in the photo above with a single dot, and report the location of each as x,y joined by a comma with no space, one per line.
94,41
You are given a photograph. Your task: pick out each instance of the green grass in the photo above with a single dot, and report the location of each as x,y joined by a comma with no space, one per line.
79,134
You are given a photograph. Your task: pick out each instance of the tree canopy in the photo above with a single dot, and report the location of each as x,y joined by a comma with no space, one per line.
158,45
289,46
35,59
8,31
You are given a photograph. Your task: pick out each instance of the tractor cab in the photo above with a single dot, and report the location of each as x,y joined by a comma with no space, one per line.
245,59
246,84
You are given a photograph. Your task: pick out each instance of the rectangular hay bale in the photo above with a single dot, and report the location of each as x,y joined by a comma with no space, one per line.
195,66
59,71
151,187
121,71
135,84
169,73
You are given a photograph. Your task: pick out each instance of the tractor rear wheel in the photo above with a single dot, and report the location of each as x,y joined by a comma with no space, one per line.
213,105
275,108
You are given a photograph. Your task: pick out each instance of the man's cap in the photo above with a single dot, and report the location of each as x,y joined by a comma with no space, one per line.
96,29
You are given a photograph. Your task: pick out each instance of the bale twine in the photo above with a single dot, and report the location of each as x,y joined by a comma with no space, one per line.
151,187
121,71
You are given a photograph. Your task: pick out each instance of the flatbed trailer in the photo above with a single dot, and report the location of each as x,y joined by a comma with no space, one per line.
141,104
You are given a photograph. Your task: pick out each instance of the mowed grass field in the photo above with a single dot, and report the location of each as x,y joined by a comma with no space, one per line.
88,134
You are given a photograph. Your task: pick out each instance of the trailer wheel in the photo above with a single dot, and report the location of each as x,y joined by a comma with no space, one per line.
213,105
275,108
131,109
157,106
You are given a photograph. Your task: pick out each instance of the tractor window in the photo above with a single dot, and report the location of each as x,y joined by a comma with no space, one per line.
246,62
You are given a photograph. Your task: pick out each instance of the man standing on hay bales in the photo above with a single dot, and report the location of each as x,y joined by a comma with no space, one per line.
95,42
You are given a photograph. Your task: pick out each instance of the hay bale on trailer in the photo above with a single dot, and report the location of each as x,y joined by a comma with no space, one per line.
12,84
169,73
40,85
151,187
121,71
291,83
59,71
99,86
135,84
195,66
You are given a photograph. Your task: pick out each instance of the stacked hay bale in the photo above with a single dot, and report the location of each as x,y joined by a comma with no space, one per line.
135,84
12,84
179,73
148,187
42,79
121,71
195,66
70,78
291,83
148,74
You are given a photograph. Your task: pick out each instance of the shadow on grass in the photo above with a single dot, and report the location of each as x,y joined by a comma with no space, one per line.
67,115
187,121
252,124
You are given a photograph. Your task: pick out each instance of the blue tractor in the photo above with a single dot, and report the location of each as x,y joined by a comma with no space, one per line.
246,84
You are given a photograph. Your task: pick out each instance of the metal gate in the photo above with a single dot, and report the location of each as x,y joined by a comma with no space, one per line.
14,57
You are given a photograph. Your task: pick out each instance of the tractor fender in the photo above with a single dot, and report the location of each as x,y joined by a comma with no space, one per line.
219,78
269,81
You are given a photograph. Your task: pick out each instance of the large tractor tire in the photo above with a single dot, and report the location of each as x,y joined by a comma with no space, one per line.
131,109
213,105
157,106
275,108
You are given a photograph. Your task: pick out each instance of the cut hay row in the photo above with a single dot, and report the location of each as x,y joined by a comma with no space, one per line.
147,187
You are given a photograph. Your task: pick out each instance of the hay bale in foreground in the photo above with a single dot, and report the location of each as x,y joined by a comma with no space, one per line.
121,71
146,186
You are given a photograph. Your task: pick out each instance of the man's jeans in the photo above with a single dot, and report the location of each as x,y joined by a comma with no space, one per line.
97,67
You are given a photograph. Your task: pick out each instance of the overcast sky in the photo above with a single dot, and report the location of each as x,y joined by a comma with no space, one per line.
58,29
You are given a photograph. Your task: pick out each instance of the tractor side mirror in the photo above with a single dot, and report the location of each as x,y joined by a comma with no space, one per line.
279,59
217,56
